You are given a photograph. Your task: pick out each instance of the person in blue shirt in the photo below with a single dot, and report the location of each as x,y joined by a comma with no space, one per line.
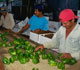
37,22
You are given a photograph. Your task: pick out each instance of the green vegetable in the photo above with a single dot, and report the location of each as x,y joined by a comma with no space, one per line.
65,60
17,47
50,56
6,60
73,61
35,60
15,57
26,43
12,51
1,43
20,55
23,60
27,59
18,51
44,56
52,63
10,44
5,33
4,39
35,68
59,55
32,55
26,54
61,65
12,60
4,44
43,51
16,42
30,50
27,47
38,52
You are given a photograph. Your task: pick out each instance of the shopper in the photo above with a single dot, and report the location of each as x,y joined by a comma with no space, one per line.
37,22
67,38
7,20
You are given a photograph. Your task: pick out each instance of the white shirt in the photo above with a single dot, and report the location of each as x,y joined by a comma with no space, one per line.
70,45
8,21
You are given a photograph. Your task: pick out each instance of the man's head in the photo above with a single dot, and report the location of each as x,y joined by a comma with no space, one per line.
67,17
38,10
4,11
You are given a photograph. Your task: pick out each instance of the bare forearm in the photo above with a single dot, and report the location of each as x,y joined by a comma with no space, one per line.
24,28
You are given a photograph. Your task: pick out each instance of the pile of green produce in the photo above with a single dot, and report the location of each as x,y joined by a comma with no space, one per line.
61,65
3,41
23,52
66,60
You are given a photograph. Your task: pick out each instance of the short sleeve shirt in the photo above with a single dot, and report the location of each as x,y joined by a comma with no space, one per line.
38,23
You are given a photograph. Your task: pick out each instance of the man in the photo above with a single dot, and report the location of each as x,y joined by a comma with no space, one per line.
7,20
37,22
67,38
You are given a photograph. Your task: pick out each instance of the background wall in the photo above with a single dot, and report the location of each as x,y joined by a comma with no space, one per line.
23,8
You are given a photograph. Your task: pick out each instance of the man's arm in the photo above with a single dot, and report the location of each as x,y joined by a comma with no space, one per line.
24,28
50,44
36,31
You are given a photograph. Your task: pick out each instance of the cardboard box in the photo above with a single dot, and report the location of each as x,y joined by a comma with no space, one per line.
45,37
54,26
36,36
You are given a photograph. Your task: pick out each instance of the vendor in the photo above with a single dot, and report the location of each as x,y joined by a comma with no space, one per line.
67,38
37,22
6,20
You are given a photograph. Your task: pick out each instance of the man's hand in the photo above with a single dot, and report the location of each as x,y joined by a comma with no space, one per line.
36,31
1,65
41,47
66,55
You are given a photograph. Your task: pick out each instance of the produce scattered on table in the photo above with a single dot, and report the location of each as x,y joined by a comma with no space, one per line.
22,51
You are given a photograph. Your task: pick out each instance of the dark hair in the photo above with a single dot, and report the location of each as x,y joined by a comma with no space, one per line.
76,20
39,7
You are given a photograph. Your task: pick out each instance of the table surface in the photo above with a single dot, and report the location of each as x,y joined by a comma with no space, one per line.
43,65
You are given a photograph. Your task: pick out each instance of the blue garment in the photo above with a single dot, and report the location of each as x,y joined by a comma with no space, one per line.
38,23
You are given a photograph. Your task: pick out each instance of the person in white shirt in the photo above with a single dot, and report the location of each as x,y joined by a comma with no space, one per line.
6,20
67,38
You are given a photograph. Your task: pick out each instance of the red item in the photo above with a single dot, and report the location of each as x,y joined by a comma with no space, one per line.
66,15
1,65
